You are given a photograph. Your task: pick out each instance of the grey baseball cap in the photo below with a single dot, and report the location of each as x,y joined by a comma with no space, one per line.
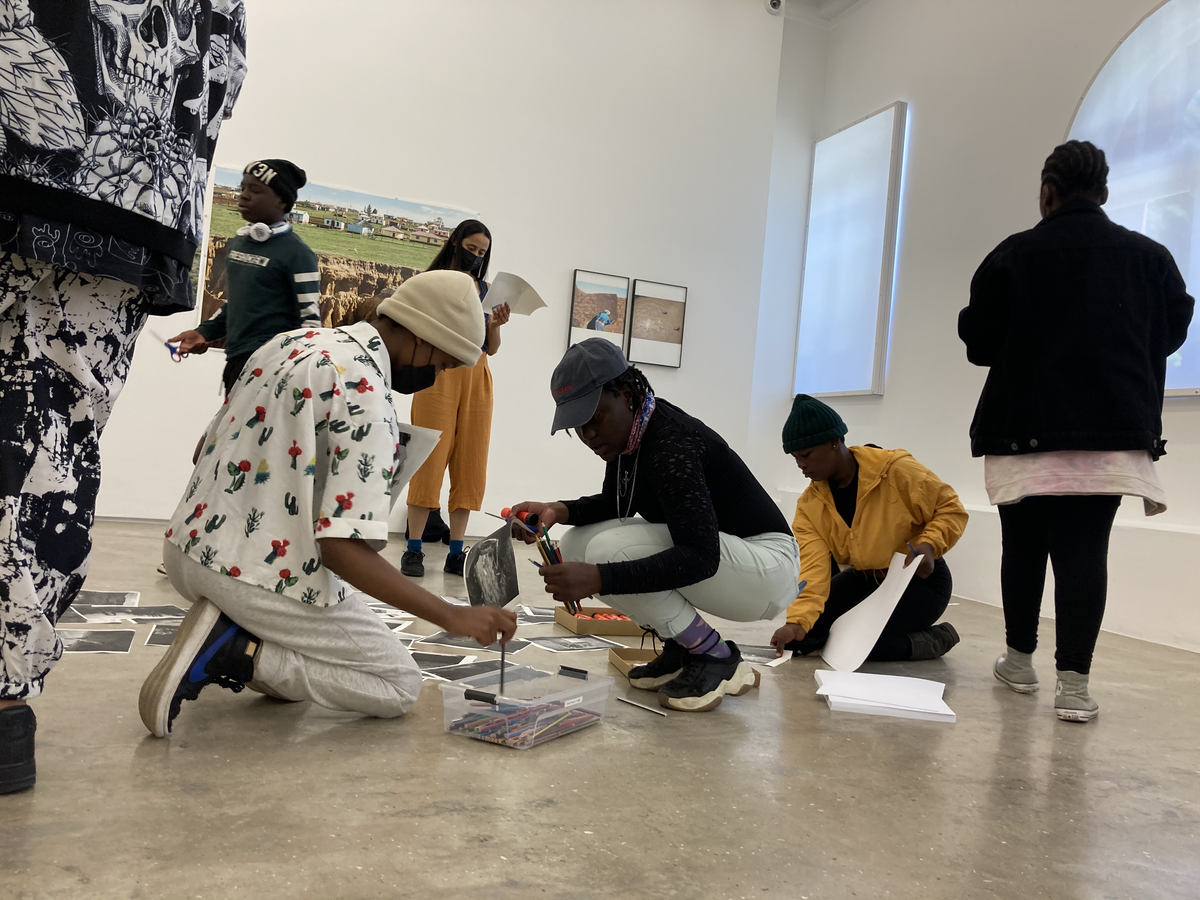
579,378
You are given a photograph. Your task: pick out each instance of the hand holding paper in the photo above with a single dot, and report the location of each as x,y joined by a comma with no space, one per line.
516,292
852,636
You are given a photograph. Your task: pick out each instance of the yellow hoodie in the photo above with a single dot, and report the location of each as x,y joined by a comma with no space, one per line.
898,500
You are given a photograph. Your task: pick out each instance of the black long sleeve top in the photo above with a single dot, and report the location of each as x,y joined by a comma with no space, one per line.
689,479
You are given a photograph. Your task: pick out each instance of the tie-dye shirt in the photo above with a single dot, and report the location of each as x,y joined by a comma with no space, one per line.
1067,472
305,448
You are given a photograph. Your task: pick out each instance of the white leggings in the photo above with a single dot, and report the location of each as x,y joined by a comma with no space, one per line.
757,578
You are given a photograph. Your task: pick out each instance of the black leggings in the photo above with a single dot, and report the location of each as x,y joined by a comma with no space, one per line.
921,604
1073,532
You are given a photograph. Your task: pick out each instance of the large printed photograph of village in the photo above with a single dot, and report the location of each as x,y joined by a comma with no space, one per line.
364,243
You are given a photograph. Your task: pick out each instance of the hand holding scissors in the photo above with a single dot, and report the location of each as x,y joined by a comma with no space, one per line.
176,356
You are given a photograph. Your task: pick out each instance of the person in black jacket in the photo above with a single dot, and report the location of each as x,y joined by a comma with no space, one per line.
681,525
1075,319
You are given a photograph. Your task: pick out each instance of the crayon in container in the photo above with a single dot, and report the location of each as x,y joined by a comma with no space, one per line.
535,707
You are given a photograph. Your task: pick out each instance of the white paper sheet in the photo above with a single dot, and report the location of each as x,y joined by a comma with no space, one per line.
420,444
855,633
884,695
514,290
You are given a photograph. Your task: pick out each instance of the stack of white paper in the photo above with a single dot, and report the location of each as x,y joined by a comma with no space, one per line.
884,695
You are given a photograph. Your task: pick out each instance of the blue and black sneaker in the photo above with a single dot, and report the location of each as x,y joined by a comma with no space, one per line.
209,648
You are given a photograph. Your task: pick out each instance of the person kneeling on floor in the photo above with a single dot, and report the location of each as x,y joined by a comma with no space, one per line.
292,493
681,525
865,504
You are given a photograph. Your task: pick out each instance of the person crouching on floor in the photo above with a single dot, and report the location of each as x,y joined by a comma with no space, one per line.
291,496
680,527
865,504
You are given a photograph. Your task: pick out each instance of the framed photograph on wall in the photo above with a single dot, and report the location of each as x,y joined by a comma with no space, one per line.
599,303
656,323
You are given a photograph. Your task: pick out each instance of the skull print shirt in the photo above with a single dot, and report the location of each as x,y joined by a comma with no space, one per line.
307,446
109,115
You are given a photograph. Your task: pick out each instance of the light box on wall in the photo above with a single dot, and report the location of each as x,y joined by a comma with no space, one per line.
849,256
1143,110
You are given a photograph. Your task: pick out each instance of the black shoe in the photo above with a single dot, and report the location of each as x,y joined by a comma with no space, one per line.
933,642
17,769
436,529
208,648
412,564
454,563
661,669
705,680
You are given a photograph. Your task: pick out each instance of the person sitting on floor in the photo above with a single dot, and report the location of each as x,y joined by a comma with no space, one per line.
865,504
291,494
681,525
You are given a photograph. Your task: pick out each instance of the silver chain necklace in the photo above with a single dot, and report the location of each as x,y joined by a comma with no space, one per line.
626,483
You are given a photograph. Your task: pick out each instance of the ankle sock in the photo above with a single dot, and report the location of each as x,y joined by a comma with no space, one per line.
702,639
456,547
414,545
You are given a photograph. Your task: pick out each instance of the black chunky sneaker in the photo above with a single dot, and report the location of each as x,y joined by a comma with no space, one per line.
934,642
662,669
209,648
454,563
17,769
412,564
705,680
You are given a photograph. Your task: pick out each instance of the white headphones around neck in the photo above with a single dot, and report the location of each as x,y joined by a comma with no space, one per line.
258,231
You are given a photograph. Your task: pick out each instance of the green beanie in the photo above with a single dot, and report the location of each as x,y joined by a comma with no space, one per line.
810,423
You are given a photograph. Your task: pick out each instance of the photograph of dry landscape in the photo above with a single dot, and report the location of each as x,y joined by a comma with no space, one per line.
656,326
364,242
598,306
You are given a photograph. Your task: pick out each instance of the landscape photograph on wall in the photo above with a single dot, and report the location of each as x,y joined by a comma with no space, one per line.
364,242
598,304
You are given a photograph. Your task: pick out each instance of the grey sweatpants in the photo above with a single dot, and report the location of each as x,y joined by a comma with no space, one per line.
340,656
756,580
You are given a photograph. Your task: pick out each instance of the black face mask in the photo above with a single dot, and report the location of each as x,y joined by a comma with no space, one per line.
410,378
467,261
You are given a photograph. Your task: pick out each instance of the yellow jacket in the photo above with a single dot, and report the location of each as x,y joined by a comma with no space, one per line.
898,500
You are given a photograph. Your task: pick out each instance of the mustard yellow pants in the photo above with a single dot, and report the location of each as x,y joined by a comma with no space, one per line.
459,405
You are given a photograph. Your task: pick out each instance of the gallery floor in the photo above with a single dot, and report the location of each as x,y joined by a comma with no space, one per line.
771,795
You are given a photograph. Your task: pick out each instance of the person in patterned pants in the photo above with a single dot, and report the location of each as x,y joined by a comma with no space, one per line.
66,342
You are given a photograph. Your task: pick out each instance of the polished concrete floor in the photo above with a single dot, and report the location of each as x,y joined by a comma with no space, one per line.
771,795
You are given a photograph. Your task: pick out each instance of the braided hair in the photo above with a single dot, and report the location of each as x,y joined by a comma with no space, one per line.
1076,169
633,379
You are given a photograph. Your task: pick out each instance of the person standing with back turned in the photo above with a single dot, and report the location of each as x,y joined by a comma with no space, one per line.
1075,318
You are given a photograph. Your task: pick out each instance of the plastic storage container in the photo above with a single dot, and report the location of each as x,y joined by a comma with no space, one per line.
534,707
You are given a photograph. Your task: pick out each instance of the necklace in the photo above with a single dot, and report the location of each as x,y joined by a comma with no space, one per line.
626,482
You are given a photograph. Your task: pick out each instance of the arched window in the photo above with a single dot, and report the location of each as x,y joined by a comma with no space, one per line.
1143,110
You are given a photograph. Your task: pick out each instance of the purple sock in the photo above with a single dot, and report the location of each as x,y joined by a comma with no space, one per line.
702,638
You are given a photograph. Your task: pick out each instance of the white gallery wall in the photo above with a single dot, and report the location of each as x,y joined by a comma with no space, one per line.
991,89
628,137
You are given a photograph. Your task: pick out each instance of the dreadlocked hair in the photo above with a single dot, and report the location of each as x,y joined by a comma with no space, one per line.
633,379
1075,169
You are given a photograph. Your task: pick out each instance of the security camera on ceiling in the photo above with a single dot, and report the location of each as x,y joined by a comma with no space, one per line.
774,7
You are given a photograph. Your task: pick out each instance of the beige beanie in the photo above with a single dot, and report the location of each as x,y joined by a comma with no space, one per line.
443,308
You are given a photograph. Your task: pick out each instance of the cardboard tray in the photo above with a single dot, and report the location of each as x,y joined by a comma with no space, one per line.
625,658
594,626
